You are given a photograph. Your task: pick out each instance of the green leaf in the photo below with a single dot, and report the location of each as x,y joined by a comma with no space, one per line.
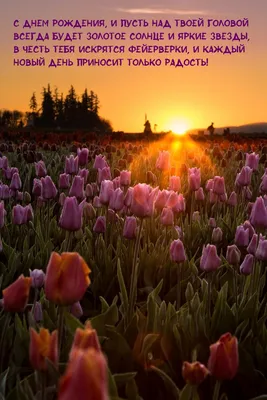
3,378
72,323
113,392
168,381
123,378
124,295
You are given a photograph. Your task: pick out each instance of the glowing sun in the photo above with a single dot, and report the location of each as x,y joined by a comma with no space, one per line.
179,127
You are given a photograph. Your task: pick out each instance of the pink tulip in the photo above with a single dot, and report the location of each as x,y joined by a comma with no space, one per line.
100,225
40,169
258,216
71,218
246,267
21,215
129,197
261,253
64,181
247,225
217,235
116,201
4,192
218,185
263,185
232,201
37,187
252,161
104,174
62,198
194,178
180,205
209,260
162,198
3,162
241,236
175,183
15,182
82,156
125,178
116,183
77,188
71,165
96,202
130,227
167,217
212,223
163,161
49,190
143,200
100,162
177,251
9,172
83,173
252,247
199,194
209,185
106,190
2,214
244,177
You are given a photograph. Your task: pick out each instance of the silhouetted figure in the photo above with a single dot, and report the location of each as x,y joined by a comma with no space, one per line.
226,132
147,129
211,129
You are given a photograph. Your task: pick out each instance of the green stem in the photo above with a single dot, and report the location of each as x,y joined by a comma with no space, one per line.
133,285
60,328
178,305
2,343
216,391
209,296
36,292
42,379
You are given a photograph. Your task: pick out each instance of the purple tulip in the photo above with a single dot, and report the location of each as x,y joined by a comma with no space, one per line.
71,218
194,178
100,162
143,200
167,217
233,254
246,267
83,155
64,181
77,187
244,177
232,201
49,190
71,165
125,178
258,216
209,260
241,236
261,252
130,227
89,191
83,173
252,247
40,169
2,214
177,251
15,182
106,190
162,198
38,278
76,309
175,183
252,161
218,185
199,194
116,201
128,197
104,174
217,235
100,225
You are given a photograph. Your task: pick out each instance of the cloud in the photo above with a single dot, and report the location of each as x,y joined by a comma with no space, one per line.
161,11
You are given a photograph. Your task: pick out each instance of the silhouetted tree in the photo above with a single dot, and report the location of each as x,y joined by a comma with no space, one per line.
48,109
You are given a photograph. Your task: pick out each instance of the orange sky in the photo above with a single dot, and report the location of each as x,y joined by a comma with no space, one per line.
231,91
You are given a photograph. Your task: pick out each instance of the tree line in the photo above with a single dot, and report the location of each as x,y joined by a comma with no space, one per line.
59,112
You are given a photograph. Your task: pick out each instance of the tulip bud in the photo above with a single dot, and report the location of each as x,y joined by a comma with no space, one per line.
217,235
261,253
241,236
43,345
38,277
212,223
177,251
246,267
209,260
71,218
130,227
67,278
232,201
258,216
199,194
233,254
76,310
194,373
167,217
125,178
224,360
100,225
252,247
16,295
218,185
38,312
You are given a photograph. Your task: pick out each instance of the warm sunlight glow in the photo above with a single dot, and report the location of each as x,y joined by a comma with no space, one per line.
179,127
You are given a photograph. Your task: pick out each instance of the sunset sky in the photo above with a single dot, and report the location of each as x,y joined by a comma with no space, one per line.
230,91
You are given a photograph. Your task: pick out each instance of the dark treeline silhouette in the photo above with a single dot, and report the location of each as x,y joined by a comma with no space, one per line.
57,112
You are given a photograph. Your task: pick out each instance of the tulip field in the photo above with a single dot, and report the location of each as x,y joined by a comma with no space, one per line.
133,269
